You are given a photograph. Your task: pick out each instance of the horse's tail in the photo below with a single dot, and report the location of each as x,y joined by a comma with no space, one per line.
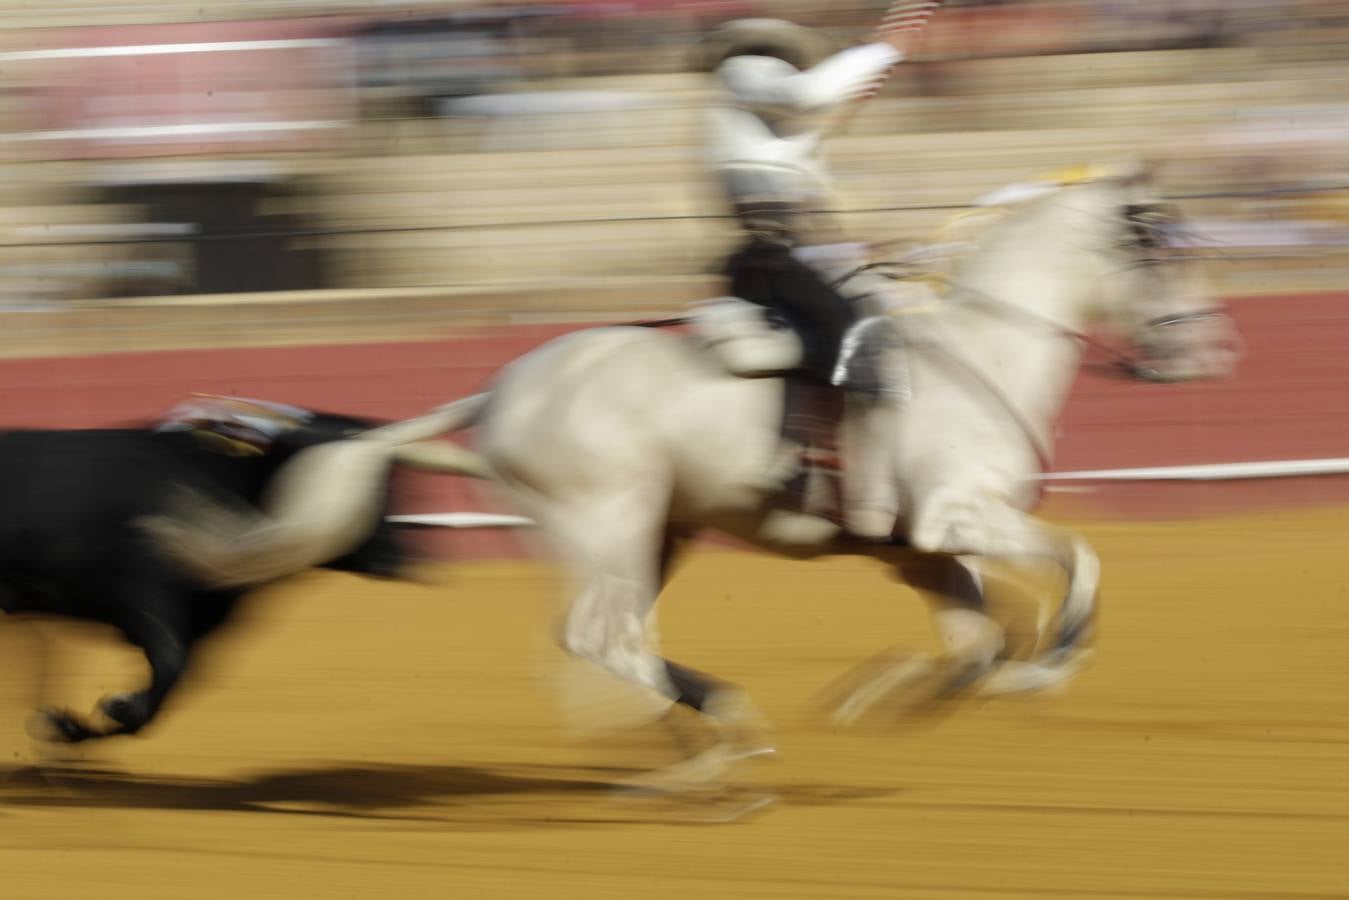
411,444
317,501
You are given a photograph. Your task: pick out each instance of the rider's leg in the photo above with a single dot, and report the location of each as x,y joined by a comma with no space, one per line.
870,292
870,486
767,273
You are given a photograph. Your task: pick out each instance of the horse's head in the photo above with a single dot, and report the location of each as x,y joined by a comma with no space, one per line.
1162,303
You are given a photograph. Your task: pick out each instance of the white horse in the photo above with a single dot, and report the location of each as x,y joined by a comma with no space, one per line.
621,442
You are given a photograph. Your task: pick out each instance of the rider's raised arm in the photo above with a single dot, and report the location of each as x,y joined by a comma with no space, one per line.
765,81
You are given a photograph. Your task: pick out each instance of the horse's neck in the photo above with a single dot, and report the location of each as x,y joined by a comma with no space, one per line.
1047,259
1027,291
1022,365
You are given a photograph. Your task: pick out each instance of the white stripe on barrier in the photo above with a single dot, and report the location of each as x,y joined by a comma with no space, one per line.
462,520
191,129
1283,468
1286,468
155,49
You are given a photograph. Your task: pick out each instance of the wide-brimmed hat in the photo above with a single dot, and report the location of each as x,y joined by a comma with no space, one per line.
801,46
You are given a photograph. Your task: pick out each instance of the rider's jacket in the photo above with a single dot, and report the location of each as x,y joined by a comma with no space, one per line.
765,136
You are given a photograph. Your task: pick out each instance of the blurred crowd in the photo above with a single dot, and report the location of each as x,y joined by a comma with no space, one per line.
154,148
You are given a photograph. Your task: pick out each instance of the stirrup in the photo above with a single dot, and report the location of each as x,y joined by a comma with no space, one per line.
854,371
859,368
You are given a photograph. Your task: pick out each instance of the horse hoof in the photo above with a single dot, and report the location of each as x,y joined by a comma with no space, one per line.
706,773
127,710
744,731
1046,675
59,727
754,750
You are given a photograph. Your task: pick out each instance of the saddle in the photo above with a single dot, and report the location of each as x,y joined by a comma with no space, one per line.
748,343
745,339
812,417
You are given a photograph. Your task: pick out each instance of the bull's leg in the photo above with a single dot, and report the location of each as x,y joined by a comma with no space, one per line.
165,637
166,641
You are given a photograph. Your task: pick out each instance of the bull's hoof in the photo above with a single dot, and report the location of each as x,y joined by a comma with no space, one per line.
130,711
60,726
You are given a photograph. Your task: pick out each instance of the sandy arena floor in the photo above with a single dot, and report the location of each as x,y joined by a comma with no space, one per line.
354,739
360,740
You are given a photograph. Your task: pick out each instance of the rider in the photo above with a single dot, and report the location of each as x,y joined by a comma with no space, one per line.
781,85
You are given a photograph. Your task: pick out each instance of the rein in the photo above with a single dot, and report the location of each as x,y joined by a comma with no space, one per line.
1042,454
1123,360
661,323
1119,357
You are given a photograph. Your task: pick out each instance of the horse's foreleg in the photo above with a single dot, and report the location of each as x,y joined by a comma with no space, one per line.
971,641
997,530
1077,613
1066,653
952,588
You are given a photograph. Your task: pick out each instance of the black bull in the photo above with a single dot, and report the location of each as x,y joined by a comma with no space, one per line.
70,544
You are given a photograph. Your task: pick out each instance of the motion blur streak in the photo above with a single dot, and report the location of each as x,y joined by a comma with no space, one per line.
370,206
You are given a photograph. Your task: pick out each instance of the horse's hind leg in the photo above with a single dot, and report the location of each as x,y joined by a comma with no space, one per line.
739,726
617,553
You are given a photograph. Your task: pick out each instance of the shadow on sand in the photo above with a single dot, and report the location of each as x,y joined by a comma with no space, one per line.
444,796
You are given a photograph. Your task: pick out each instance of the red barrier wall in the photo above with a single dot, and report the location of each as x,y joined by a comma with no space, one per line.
1288,402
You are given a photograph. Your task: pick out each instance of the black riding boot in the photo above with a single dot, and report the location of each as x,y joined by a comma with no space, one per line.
765,272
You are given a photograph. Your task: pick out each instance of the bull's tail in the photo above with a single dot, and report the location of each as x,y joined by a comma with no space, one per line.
411,445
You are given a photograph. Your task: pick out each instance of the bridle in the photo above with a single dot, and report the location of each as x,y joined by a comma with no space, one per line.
1147,223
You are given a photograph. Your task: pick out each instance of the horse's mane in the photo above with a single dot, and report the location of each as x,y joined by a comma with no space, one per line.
962,233
995,206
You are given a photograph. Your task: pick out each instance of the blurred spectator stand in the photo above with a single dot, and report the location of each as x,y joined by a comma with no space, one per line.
225,92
